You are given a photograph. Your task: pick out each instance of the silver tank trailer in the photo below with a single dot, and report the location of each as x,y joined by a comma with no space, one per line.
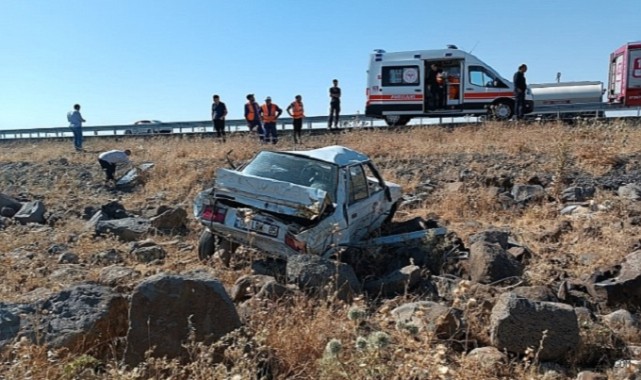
551,94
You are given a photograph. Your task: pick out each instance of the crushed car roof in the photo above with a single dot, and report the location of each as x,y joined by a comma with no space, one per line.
334,154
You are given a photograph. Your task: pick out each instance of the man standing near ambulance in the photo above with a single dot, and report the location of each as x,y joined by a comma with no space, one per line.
520,88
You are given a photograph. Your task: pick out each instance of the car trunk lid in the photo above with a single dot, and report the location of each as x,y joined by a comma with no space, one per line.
271,195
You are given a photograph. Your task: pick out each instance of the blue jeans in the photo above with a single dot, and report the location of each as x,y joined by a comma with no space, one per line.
519,104
77,136
270,133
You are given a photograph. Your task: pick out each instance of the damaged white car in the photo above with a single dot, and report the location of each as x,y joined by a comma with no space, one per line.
287,203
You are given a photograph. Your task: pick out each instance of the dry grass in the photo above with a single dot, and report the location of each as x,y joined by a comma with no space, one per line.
307,338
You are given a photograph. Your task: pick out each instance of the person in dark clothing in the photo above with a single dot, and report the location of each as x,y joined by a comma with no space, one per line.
435,87
218,113
334,104
520,87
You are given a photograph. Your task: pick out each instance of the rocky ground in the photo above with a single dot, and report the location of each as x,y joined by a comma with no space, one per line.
539,275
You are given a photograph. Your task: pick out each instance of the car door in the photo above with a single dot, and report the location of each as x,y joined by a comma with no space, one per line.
364,203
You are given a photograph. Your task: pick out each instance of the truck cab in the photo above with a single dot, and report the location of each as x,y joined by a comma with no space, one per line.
436,83
624,84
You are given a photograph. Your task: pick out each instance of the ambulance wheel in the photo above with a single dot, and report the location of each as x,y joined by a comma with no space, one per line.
396,121
503,109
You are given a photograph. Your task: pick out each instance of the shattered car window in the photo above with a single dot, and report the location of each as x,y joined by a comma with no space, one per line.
295,169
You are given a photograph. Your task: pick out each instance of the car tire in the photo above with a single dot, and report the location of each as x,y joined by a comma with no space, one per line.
206,245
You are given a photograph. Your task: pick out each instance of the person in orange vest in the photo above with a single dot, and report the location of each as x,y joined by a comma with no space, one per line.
252,115
270,112
297,112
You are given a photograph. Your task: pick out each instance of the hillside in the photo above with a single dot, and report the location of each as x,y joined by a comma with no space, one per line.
463,178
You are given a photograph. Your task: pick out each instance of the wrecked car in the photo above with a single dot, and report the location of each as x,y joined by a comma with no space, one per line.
288,203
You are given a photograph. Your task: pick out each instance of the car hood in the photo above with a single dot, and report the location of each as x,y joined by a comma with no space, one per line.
271,195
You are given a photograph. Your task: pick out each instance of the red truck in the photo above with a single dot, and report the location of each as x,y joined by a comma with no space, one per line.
624,84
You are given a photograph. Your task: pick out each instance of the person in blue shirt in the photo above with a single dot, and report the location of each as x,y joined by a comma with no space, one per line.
218,113
75,123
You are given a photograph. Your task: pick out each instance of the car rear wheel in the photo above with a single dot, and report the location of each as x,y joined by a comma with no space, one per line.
206,245
210,244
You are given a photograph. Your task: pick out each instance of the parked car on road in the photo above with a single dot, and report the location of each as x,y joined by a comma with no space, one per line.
144,127
288,203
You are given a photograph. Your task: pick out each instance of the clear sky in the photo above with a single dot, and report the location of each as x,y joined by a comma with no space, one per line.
126,60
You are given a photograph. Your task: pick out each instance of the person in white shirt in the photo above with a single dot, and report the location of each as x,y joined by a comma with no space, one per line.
108,161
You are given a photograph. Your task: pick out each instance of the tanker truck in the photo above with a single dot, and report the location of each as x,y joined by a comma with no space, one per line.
571,100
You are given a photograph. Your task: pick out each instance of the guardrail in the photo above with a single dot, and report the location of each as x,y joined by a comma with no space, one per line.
236,125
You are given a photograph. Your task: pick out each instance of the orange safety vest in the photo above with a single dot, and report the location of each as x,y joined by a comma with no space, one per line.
269,117
251,115
297,110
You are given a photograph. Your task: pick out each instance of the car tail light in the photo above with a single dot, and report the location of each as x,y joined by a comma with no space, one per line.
214,214
295,244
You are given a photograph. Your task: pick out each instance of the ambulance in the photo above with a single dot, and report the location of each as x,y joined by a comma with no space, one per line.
398,89
624,84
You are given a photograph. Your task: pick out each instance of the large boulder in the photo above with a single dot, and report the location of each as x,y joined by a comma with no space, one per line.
170,219
620,286
166,309
79,318
126,229
551,329
490,263
317,275
395,283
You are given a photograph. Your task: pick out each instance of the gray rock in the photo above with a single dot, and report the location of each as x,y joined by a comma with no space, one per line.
9,202
108,257
117,275
624,324
31,212
248,286
68,258
85,316
630,191
127,229
396,282
78,318
442,321
166,309
527,193
149,254
622,286
535,293
321,276
490,263
589,375
577,194
517,324
487,356
491,236
170,219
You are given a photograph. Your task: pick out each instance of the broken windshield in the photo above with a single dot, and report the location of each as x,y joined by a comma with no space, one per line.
295,169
